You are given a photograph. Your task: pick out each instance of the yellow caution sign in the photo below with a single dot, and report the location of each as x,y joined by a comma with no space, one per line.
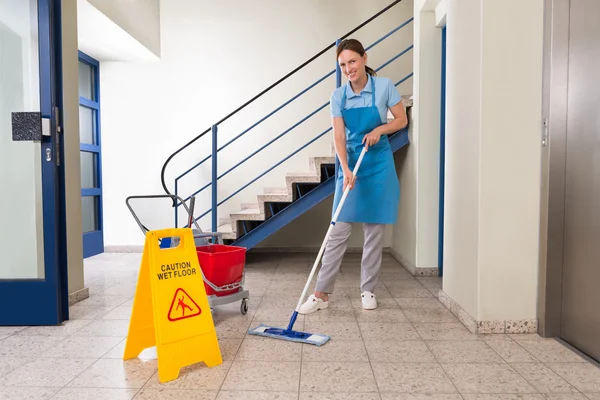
171,309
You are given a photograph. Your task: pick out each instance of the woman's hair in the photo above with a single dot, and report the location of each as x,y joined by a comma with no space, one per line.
355,46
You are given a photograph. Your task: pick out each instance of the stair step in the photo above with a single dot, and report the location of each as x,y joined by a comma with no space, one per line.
275,198
251,214
276,191
247,206
227,231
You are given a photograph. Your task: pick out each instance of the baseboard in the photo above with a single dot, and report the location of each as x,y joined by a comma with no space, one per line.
414,271
486,327
78,296
124,249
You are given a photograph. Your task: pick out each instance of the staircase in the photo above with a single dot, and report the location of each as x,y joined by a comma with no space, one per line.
277,207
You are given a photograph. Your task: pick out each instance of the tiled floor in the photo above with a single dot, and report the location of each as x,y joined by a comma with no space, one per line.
410,348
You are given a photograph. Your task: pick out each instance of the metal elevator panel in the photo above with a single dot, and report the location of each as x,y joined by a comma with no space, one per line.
580,317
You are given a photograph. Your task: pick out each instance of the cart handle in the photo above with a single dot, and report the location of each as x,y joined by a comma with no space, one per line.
159,196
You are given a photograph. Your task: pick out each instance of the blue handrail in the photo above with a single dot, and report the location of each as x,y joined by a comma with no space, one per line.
279,163
215,149
291,100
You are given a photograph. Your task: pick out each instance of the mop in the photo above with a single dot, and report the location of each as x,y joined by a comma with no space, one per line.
298,336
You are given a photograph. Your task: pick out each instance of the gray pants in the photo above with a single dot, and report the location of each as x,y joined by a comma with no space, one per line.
334,253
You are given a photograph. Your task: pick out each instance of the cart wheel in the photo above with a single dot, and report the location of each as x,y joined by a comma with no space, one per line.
244,306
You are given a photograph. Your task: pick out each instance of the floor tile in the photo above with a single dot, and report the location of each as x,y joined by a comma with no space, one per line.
372,331
543,378
82,347
412,378
429,315
463,352
404,292
337,377
27,393
9,364
487,378
399,351
333,315
549,351
336,350
338,396
67,328
175,394
27,346
254,395
46,372
118,351
263,375
96,394
336,330
444,331
79,311
255,348
197,376
421,396
585,377
564,396
112,373
11,330
118,328
520,396
120,312
509,350
419,303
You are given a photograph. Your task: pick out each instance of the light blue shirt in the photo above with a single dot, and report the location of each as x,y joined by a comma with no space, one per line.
386,96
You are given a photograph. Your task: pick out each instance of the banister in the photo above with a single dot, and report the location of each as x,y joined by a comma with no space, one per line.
320,53
287,130
258,123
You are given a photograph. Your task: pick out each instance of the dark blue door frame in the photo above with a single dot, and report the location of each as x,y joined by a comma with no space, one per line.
442,158
93,241
44,301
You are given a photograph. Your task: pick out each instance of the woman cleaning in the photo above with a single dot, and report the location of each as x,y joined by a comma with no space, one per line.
359,116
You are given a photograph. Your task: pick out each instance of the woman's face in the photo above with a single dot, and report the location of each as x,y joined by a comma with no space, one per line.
352,65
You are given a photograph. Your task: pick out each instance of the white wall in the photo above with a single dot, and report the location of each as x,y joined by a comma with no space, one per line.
415,239
21,219
494,82
139,18
213,59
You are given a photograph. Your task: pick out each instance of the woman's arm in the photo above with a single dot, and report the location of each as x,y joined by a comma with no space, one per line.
339,138
399,122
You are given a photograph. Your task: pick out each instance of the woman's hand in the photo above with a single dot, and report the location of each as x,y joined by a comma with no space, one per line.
349,179
372,138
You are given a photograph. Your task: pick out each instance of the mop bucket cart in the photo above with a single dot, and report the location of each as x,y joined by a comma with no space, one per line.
222,266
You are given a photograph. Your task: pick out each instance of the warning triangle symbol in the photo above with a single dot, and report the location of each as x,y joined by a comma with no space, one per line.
183,306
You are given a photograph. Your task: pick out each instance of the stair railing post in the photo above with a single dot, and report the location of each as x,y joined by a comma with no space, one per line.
214,179
338,83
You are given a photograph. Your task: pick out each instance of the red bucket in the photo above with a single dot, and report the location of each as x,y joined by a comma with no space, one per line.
221,265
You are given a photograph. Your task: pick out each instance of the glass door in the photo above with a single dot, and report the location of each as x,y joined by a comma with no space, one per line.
33,276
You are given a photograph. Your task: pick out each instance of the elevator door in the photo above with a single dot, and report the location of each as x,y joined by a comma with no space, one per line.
580,323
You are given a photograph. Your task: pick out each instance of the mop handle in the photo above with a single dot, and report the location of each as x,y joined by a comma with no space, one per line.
333,221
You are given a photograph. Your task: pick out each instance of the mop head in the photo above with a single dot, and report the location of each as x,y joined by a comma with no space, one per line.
294,336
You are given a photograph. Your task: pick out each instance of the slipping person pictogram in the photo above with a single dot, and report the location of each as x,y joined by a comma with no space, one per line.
181,303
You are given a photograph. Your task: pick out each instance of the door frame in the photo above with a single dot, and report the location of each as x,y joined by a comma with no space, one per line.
553,168
45,301
442,158
93,242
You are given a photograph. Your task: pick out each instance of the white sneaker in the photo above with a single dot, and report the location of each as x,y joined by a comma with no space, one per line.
313,304
369,302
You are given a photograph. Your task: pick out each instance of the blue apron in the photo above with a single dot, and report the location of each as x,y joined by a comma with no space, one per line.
375,196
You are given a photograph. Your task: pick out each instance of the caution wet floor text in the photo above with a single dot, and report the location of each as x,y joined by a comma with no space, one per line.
171,309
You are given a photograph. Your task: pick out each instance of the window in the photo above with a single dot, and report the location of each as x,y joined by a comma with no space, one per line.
90,155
